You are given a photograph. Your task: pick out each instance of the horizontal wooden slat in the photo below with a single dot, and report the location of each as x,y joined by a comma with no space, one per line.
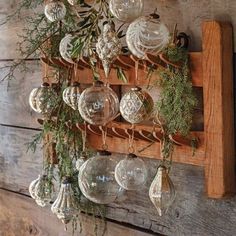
29,219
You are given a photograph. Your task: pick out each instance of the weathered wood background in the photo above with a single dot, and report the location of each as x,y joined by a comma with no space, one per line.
191,214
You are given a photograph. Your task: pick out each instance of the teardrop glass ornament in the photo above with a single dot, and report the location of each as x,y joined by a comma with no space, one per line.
97,180
131,173
162,191
136,106
71,96
108,47
147,35
43,99
98,104
65,206
126,10
41,190
55,10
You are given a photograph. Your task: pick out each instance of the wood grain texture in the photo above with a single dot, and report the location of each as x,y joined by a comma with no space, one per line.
29,219
14,102
191,213
218,109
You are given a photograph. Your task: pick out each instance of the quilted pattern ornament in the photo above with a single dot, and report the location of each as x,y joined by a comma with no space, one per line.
108,47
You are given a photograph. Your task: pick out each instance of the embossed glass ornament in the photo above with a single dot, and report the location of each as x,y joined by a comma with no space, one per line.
55,10
126,10
66,47
97,180
147,35
43,99
108,47
136,105
41,190
131,173
98,104
162,191
71,96
65,206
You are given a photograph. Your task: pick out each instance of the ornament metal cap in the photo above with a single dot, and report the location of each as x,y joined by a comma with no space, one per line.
104,153
45,84
136,88
66,180
98,83
75,84
131,155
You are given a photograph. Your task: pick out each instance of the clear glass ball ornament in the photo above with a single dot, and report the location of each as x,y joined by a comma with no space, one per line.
98,104
66,47
41,190
65,206
71,96
55,10
82,159
147,35
131,173
43,99
162,191
136,105
126,10
97,179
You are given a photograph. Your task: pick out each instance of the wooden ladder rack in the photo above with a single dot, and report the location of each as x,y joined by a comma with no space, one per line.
212,70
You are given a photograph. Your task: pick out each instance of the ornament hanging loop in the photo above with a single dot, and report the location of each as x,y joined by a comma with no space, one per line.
131,149
104,137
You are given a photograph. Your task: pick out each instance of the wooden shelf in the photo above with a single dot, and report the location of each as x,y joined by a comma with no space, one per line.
211,69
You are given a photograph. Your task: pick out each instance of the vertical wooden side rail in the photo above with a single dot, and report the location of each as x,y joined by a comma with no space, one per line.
218,109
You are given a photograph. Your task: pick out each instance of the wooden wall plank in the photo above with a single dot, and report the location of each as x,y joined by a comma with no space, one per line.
218,109
191,213
14,102
29,219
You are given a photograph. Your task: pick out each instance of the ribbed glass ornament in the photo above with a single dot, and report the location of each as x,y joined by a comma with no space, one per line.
71,96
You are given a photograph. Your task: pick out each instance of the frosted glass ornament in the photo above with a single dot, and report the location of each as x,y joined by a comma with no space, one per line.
66,47
162,191
147,35
43,99
131,173
108,47
65,206
55,10
126,10
71,96
136,105
98,104
41,190
97,180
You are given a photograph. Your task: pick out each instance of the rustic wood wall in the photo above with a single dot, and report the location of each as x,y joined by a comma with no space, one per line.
191,214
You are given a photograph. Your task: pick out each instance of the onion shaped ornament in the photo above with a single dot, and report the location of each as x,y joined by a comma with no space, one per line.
55,10
41,190
97,180
162,191
71,96
108,47
131,173
126,10
65,206
98,104
136,106
43,99
147,35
